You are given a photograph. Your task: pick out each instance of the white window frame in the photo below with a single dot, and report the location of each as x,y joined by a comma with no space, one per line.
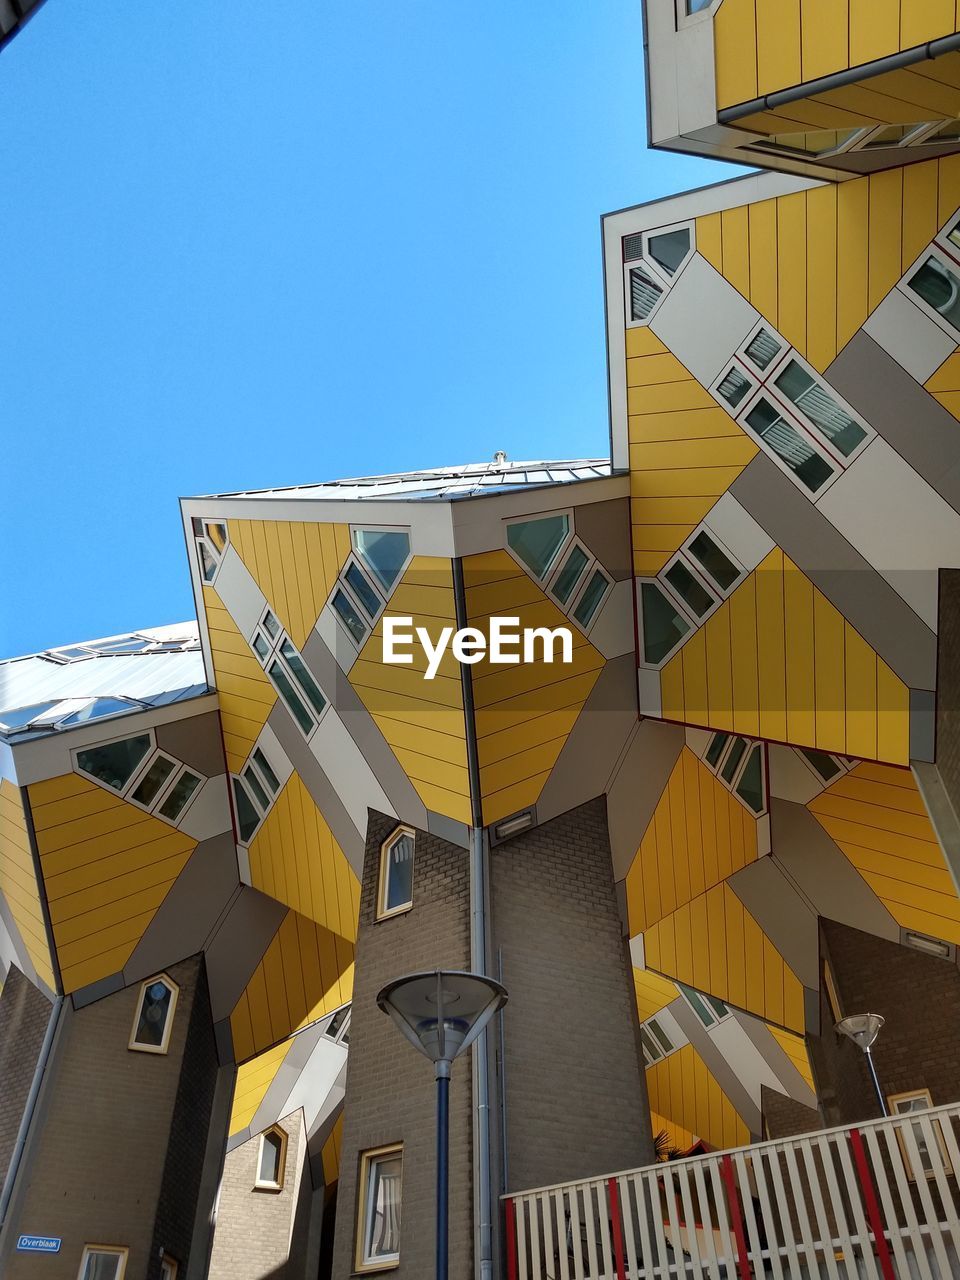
644,265
693,563
681,608
914,1095
705,1000
137,774
368,1161
693,568
118,1251
275,1131
660,277
382,528
733,784
571,608
343,585
164,1044
169,1267
206,541
251,764
651,234
561,550
126,792
949,259
274,655
383,881
844,765
561,559
662,1053
344,1027
685,19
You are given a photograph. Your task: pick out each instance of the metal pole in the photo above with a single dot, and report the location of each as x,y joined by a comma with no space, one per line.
443,1148
876,1082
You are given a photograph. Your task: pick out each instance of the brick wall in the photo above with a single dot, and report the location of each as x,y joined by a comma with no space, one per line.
576,1102
95,1165
948,685
390,1087
919,1045
784,1117
24,1013
253,1232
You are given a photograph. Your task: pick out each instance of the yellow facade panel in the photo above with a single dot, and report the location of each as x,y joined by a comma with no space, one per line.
254,1078
735,52
874,29
18,882
682,1090
246,695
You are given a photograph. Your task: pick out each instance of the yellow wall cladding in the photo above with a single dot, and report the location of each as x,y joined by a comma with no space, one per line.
684,1091
295,564
796,1050
330,1155
296,860
306,971
422,720
699,834
254,1078
106,866
778,661
653,992
876,816
524,713
678,1137
817,262
685,451
714,945
765,45
18,881
944,386
246,695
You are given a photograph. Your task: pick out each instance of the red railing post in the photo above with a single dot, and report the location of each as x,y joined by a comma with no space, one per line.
736,1217
511,1232
881,1248
613,1191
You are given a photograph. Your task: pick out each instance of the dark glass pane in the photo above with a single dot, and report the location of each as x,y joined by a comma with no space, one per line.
182,790
16,719
362,589
689,589
714,561
821,408
271,625
718,1006
270,1151
349,616
384,552
263,764
399,873
660,1036
303,676
536,542
589,602
253,782
939,287
696,1002
290,697
154,1010
336,1022
734,387
148,788
663,625
750,786
733,759
762,348
644,294
802,459
97,709
569,575
208,565
115,763
824,764
669,248
217,533
715,749
653,1052
247,817
261,646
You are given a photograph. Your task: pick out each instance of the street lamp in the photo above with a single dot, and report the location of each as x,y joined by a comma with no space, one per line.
441,1013
863,1029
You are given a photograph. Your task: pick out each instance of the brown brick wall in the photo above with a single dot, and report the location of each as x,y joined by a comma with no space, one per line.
576,1102
948,685
253,1232
94,1170
919,1045
390,1087
24,1014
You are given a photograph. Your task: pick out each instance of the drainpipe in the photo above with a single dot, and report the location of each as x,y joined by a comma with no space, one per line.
9,1182
837,80
479,923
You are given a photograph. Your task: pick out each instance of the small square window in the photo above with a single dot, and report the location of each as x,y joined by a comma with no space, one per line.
153,1020
271,1159
378,1218
396,873
103,1262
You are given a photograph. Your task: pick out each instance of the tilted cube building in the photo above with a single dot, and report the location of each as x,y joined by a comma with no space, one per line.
726,824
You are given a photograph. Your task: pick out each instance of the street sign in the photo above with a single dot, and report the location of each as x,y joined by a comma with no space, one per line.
39,1244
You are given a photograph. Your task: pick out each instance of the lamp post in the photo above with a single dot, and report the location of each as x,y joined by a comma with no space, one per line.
863,1029
441,1013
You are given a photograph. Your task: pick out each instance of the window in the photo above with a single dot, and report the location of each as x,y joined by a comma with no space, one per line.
169,1267
653,259
669,249
396,874
663,624
590,599
289,674
741,765
787,444
927,1138
338,1028
146,777
564,566
254,792
103,1262
368,577
153,1020
537,543
644,294
570,574
378,1218
820,408
826,767
708,1009
716,563
939,287
385,553
655,1042
210,537
271,1159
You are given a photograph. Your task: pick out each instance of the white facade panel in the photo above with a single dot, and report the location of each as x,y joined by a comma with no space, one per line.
739,532
242,598
703,319
916,343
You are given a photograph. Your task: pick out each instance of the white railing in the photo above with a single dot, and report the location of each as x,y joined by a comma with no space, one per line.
879,1200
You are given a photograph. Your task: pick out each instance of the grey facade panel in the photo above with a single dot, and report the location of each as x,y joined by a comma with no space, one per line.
237,947
781,913
636,789
604,527
197,741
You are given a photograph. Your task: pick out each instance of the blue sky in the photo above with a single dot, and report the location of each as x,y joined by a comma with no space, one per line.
250,246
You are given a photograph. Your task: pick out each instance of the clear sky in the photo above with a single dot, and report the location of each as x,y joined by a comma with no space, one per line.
251,245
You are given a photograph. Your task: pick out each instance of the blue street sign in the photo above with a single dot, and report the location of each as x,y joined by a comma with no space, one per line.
39,1244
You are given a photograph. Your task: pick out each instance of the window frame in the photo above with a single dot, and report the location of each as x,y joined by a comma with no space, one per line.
561,552
381,528
259,1184
705,999
946,1164
844,765
344,1028
368,1160
164,1045
343,585
563,555
202,541
251,764
663,280
153,754
694,563
949,258
732,786
383,913
119,1251
592,569
169,1267
273,655
685,19
682,609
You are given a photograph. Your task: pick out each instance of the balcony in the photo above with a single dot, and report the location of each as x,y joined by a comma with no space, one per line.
879,1199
